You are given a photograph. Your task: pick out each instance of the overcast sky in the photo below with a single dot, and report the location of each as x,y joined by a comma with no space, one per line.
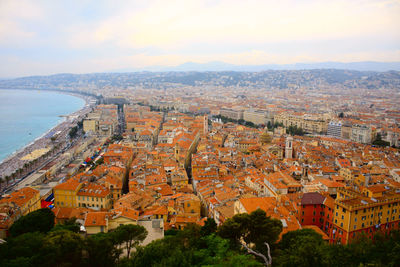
46,37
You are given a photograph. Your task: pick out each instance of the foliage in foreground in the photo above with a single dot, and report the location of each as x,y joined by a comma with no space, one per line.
209,245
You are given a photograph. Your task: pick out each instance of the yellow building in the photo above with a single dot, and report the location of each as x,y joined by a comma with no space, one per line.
102,222
65,193
90,126
122,216
191,204
352,174
94,196
374,208
97,222
309,123
244,145
27,199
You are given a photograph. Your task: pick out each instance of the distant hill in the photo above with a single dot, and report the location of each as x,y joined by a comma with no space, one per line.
273,79
222,66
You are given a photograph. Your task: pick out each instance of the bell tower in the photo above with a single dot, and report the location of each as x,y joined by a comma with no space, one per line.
289,147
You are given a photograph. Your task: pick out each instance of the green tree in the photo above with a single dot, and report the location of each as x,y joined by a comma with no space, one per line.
303,247
64,248
131,235
41,220
70,225
254,228
102,250
210,227
25,250
73,132
217,252
188,249
379,142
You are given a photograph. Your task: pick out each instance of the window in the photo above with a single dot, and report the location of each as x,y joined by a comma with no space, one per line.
313,219
341,224
188,204
355,219
356,212
344,210
79,197
342,217
362,225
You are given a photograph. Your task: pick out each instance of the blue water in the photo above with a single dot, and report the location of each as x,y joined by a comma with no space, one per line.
27,114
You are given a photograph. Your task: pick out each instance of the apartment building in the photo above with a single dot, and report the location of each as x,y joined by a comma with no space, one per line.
309,123
361,134
255,116
335,129
231,113
375,208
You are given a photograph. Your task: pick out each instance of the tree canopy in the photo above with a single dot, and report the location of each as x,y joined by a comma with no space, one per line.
44,245
254,228
41,220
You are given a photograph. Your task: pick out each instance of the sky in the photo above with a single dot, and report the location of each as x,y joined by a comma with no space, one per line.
41,37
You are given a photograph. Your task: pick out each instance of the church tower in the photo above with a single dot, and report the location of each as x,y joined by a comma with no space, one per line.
205,126
289,147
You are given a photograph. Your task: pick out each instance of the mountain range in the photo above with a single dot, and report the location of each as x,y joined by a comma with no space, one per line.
222,66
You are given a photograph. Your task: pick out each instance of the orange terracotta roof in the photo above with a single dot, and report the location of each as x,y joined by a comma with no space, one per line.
70,185
98,218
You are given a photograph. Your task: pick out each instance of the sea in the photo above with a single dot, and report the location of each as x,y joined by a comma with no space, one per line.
26,115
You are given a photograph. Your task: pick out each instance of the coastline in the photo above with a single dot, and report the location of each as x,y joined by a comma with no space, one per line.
13,162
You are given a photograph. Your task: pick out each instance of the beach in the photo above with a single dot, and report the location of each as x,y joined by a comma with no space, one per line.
44,143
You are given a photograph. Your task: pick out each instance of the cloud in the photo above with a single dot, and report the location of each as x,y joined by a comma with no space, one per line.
13,15
89,35
171,25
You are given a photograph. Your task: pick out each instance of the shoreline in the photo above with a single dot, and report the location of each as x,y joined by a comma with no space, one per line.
13,162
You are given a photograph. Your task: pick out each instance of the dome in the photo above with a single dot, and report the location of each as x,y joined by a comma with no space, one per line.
265,138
